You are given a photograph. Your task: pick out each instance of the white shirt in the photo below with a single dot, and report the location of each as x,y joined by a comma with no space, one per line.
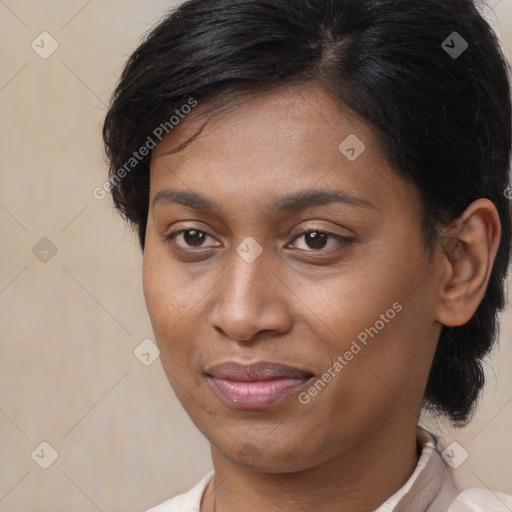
429,489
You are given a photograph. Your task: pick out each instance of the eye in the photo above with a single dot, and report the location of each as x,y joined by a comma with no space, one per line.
316,240
190,238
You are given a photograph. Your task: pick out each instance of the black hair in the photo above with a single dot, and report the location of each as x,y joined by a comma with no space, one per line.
428,75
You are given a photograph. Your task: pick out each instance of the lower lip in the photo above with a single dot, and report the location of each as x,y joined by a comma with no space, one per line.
255,395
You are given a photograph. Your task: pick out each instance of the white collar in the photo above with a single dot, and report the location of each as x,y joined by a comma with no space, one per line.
428,443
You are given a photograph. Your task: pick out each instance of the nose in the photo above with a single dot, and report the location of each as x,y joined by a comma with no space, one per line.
251,299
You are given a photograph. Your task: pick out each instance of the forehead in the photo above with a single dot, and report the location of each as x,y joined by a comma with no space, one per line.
286,139
270,121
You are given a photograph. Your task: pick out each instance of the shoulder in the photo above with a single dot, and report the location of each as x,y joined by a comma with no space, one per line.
186,502
481,500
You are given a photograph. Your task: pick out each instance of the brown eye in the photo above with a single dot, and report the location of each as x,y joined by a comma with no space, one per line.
189,238
194,238
317,240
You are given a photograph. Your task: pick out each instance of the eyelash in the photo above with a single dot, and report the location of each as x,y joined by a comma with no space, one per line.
341,239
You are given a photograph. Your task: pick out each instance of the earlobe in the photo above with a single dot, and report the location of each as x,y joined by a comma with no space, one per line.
469,256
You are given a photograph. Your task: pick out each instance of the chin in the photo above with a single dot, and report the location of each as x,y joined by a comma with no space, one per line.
267,456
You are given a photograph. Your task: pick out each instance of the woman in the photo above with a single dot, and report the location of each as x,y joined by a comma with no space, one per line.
318,189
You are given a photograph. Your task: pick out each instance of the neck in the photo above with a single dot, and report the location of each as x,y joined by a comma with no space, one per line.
360,478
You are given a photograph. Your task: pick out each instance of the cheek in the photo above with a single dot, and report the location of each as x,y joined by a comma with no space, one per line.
166,289
166,299
387,352
175,303
376,314
343,305
156,287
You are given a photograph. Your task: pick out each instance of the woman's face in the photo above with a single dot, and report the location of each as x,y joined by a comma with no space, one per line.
350,306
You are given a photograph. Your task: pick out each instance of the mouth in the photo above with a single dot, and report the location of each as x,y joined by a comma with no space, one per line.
257,385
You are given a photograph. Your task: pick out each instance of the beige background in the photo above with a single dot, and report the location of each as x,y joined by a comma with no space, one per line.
68,375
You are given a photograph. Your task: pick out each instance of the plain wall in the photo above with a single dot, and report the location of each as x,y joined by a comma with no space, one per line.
69,325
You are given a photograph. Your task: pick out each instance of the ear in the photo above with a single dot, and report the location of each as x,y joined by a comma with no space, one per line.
469,247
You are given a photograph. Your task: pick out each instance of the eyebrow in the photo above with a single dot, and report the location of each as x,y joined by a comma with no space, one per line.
289,203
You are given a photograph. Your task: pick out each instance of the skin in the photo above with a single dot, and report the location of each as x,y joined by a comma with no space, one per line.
303,303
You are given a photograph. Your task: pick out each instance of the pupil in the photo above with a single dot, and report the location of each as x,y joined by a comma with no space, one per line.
316,240
194,238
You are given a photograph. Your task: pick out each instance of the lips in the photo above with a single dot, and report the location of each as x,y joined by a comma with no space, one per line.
256,372
257,385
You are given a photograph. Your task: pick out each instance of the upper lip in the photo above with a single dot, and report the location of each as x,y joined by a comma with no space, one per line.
259,371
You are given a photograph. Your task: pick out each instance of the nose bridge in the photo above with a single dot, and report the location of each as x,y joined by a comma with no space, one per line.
248,281
248,301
